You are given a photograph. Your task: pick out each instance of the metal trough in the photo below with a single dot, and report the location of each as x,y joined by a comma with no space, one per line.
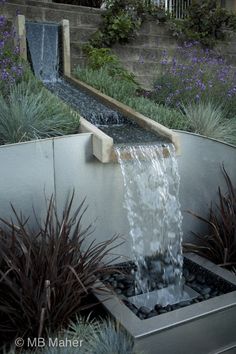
208,327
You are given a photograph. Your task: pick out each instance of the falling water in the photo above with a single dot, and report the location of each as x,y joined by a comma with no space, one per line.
151,182
43,46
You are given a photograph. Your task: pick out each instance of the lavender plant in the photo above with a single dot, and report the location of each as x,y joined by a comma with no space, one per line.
191,75
11,68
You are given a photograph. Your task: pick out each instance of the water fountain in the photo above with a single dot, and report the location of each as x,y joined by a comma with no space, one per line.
151,301
154,192
44,53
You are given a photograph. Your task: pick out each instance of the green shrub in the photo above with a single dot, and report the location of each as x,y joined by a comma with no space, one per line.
118,26
103,58
121,20
209,120
206,22
98,57
31,112
47,273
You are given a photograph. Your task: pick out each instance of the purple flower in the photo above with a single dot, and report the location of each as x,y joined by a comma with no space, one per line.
193,74
164,61
2,21
10,67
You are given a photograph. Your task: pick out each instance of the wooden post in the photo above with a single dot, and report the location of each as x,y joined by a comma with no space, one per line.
66,47
20,39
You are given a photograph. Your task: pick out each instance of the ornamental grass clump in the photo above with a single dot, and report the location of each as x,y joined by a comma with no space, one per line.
48,271
92,336
192,74
112,84
101,336
31,112
111,338
209,120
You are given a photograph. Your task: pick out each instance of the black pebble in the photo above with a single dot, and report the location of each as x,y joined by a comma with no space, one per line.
144,310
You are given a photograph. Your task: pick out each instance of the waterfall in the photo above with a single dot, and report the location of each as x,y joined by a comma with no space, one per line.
43,46
151,181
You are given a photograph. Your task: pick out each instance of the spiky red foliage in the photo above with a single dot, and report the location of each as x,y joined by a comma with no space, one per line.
219,244
46,275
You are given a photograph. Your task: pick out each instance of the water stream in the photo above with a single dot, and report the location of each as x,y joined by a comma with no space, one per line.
151,182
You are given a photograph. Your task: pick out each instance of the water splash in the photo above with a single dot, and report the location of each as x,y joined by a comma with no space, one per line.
151,182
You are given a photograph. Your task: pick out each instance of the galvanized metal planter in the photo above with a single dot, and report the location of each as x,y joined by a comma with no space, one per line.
208,327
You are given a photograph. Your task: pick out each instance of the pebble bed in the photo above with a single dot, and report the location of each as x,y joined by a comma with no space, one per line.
105,118
89,108
206,283
132,133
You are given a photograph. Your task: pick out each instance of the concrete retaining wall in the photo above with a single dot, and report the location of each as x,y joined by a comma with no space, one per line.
35,170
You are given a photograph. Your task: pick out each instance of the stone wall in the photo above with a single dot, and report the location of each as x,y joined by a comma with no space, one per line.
84,21
230,4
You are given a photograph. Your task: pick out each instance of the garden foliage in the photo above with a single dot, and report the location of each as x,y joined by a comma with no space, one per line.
125,91
118,25
209,120
102,336
206,21
31,112
97,336
98,58
219,243
11,68
122,19
192,74
27,110
47,271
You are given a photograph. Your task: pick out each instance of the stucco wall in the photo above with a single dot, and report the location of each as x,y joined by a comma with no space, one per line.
34,170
